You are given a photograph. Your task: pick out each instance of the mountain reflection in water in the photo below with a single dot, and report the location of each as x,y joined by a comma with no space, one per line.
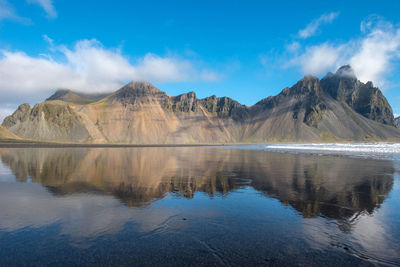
239,206
334,187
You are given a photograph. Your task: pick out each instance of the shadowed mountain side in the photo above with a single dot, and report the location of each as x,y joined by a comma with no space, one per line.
397,122
339,107
140,175
365,99
306,112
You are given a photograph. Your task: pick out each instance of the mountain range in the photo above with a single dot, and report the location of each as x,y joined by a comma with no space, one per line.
338,107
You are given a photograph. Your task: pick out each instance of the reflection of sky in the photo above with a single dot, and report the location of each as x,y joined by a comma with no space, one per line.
374,235
82,215
246,214
90,215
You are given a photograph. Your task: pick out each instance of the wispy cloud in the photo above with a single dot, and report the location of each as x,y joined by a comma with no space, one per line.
88,67
7,12
47,6
371,55
17,215
312,28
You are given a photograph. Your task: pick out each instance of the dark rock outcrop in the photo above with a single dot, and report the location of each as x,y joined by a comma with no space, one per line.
364,98
397,122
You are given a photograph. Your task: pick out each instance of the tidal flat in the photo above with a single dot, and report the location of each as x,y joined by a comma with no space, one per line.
176,206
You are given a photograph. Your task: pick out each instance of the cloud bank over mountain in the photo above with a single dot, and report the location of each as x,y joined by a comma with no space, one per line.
89,67
371,55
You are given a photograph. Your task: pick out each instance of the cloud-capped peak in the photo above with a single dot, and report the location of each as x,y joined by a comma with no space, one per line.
88,67
371,55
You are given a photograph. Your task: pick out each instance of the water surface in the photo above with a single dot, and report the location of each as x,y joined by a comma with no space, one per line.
196,206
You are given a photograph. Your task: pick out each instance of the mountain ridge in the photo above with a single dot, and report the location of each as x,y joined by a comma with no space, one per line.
397,121
337,107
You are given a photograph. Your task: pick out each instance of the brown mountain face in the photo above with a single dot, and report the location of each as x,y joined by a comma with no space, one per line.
7,134
338,107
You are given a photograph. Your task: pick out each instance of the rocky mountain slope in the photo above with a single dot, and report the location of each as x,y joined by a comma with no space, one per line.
7,134
337,107
397,122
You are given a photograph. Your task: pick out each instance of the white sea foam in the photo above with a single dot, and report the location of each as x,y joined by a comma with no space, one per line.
374,150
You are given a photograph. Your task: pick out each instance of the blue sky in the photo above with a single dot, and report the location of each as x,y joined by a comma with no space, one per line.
246,50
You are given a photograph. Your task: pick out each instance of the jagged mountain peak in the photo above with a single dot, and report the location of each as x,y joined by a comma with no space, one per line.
308,81
346,71
139,85
309,84
189,95
134,90
364,98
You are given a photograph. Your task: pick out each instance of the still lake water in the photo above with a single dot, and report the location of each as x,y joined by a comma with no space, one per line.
197,206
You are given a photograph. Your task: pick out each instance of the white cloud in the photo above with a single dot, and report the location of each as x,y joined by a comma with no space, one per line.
7,12
318,59
312,28
156,68
49,41
376,53
87,67
371,56
47,6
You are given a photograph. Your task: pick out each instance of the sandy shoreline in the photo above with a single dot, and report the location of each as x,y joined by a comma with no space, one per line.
55,145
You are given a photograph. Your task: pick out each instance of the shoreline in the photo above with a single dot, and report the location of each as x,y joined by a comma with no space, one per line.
10,143
61,145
